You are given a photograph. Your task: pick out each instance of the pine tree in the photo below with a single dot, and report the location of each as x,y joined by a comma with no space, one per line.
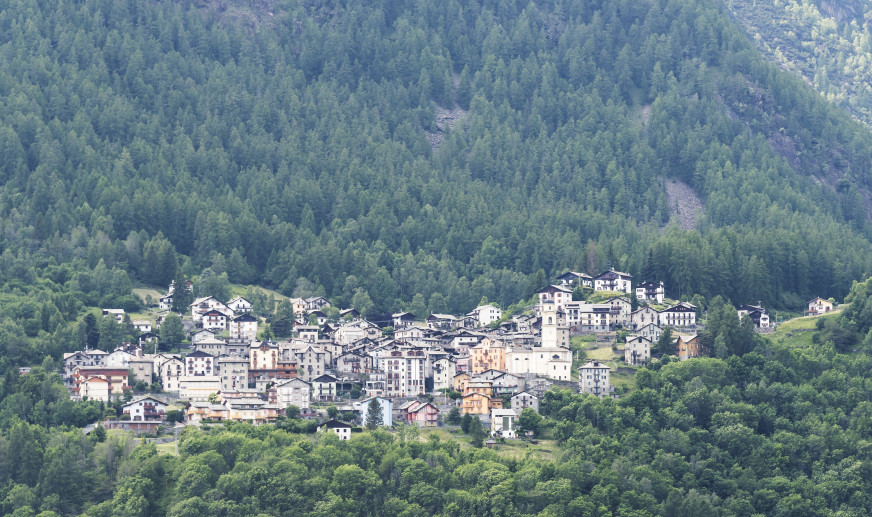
374,414
182,294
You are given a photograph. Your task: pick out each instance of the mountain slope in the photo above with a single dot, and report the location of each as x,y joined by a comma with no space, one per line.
288,143
826,42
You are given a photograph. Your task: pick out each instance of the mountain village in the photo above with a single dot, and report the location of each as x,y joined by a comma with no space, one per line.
480,363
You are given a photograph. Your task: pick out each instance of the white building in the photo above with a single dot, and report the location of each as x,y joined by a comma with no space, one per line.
503,423
170,372
621,308
243,327
293,392
555,332
681,315
405,372
593,378
637,350
208,303
200,363
558,294
444,370
554,363
142,325
239,305
651,292
198,387
145,408
357,330
118,314
612,280
214,320
342,430
486,314
589,317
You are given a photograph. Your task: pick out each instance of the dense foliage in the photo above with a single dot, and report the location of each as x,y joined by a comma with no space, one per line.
776,431
826,42
306,148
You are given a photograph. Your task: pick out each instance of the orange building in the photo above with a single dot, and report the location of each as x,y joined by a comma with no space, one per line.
486,388
460,382
487,355
479,404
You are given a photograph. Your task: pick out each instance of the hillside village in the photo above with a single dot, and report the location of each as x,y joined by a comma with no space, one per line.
416,372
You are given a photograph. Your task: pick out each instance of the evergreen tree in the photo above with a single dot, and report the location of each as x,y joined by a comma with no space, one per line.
172,333
92,332
282,324
182,294
374,414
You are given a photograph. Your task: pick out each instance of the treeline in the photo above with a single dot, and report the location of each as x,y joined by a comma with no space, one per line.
294,150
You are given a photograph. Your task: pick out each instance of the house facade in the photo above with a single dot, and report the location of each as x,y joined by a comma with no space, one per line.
593,378
681,315
503,423
293,392
689,347
557,294
651,292
525,400
243,327
819,306
612,280
637,350
145,408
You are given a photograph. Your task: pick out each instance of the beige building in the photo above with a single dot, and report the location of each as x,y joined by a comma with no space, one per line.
198,387
263,356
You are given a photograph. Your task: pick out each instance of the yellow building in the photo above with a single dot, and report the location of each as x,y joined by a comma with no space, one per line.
479,404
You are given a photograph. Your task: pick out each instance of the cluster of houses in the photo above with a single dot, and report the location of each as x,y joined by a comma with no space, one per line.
229,374
493,367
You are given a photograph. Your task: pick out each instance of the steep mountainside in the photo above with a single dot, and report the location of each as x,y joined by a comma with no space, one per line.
826,42
300,145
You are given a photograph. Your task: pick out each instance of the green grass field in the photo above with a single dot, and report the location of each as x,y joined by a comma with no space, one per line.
170,448
517,449
602,354
798,332
627,381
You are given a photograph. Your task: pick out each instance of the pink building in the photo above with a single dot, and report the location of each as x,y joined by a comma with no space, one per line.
422,414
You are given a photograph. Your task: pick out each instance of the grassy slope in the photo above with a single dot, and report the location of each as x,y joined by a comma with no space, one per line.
798,332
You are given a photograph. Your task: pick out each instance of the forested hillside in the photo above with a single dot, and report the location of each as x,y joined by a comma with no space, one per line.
298,145
826,42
